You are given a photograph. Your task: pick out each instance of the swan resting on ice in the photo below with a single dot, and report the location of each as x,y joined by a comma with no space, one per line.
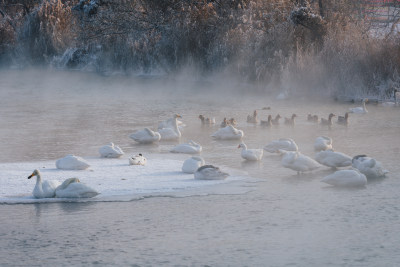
71,162
298,162
137,160
323,143
333,159
250,154
209,172
189,148
286,144
146,136
73,188
346,178
369,166
110,151
192,164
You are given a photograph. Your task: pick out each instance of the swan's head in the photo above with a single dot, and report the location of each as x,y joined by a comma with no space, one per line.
241,145
177,116
34,173
365,100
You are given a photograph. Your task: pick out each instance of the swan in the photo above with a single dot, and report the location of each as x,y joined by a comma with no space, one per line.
360,110
206,121
254,118
71,162
276,120
267,123
190,148
298,162
146,136
137,160
170,123
333,159
283,144
250,154
327,121
323,143
228,133
192,164
171,133
44,189
369,166
73,188
110,151
343,120
290,121
346,178
209,172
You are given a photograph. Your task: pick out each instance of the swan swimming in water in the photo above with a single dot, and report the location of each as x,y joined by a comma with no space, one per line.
110,151
250,154
333,159
146,136
189,148
360,110
228,133
346,178
209,172
298,162
286,144
43,189
369,166
323,143
137,160
192,164
170,123
71,162
73,188
172,132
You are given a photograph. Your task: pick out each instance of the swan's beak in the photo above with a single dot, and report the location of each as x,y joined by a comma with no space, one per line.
30,176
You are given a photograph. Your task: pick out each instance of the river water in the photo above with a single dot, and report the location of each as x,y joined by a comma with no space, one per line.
285,219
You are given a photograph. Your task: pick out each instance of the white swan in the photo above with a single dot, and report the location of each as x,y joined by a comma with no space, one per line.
189,148
360,110
71,162
192,164
73,188
346,178
369,166
250,154
209,172
44,189
333,159
228,133
169,123
110,151
298,162
172,132
281,144
323,143
137,160
146,136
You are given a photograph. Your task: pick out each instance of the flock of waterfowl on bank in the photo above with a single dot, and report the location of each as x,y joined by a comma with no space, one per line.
361,167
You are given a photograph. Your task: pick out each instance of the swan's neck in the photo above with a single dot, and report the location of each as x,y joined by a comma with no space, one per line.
364,106
38,179
244,147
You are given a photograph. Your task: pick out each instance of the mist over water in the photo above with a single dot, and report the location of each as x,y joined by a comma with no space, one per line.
285,220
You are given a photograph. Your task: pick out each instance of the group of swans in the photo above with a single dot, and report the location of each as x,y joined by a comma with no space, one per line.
70,188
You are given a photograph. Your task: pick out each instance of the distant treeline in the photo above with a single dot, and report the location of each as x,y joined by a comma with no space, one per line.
295,45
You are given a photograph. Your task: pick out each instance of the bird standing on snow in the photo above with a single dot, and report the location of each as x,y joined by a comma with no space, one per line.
250,154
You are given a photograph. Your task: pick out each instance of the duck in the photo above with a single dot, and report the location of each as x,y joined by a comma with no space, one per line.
146,136
267,123
73,188
170,123
290,121
369,166
254,118
71,162
360,110
189,148
43,189
328,121
192,164
172,132
312,118
137,160
110,151
275,121
209,172
323,143
250,154
343,120
346,178
206,121
228,133
224,123
281,144
333,159
298,162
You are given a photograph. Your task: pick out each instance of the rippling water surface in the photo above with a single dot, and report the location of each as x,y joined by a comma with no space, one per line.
286,220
